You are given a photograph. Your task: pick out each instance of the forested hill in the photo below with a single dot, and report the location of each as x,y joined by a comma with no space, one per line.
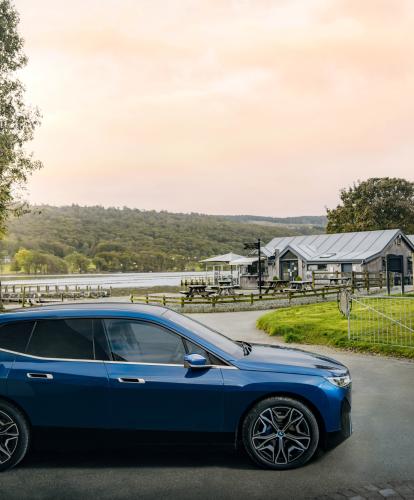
74,238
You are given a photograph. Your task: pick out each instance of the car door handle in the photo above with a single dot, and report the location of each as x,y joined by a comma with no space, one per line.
47,376
131,380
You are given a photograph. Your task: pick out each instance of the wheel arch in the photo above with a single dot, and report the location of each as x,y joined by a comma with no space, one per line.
292,395
18,407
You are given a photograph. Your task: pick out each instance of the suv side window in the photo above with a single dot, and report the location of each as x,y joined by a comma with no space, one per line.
143,342
62,338
15,336
195,349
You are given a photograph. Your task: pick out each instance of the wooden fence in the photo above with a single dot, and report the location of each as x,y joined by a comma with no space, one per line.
251,298
24,294
355,280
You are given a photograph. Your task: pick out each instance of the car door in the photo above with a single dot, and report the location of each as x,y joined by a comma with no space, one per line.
61,379
151,389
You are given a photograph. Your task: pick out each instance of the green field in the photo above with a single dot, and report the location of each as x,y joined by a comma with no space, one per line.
322,324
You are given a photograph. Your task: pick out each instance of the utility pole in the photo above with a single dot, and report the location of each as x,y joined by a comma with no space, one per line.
259,266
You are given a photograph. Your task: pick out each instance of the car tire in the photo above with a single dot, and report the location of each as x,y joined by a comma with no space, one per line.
280,433
14,436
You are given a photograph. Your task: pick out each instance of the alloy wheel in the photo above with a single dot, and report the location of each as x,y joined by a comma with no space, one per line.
9,437
280,435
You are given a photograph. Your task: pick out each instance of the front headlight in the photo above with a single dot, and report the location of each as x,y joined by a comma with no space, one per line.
342,381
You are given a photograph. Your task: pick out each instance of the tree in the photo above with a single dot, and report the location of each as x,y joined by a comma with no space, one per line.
77,262
17,120
34,262
23,260
377,203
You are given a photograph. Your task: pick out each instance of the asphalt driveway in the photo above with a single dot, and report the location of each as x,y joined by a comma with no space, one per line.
381,450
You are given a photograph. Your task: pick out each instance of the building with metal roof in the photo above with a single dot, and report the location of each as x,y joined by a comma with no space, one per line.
292,256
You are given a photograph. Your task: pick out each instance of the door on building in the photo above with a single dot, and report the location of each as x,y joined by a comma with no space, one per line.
395,265
289,266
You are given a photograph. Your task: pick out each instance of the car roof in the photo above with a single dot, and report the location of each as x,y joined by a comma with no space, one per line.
83,310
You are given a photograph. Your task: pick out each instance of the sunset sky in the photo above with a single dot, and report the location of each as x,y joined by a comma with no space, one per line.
264,107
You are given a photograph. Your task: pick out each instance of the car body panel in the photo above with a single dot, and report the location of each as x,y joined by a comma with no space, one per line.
173,398
168,397
76,396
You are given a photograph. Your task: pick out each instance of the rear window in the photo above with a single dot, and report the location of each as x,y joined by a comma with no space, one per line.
63,338
15,336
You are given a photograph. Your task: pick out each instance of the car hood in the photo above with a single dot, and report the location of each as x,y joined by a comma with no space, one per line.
263,357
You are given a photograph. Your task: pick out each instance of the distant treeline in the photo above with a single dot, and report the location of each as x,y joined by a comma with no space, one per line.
86,239
318,221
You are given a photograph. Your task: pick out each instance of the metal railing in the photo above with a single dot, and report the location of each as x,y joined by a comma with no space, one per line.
387,320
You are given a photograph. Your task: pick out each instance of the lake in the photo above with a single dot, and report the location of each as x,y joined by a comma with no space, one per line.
115,280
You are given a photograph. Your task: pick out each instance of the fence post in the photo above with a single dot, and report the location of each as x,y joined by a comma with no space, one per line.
251,298
313,279
131,298
23,296
366,279
290,297
182,302
146,299
164,301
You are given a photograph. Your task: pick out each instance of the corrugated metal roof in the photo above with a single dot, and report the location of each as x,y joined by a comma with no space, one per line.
223,259
341,247
411,237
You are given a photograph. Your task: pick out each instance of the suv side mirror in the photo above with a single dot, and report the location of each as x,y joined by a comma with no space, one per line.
195,361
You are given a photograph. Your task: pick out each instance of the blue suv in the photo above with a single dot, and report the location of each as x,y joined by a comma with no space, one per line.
148,368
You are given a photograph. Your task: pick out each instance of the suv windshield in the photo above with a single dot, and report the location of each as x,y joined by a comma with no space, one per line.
218,339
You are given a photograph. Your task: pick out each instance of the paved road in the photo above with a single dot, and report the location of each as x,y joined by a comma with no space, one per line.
381,451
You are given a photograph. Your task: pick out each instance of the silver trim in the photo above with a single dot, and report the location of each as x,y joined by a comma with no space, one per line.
131,380
40,376
224,367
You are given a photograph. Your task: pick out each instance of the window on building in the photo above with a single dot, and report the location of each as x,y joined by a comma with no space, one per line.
63,338
15,336
317,267
143,342
346,268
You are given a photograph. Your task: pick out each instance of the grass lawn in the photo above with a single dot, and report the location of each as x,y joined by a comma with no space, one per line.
322,324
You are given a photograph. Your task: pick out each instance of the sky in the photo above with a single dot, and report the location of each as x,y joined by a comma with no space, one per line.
265,107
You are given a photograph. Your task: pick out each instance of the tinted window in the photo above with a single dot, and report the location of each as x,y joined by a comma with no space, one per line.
143,342
208,334
195,349
63,338
15,336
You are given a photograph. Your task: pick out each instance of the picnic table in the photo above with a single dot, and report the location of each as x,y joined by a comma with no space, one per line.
222,290
199,289
275,285
299,286
336,280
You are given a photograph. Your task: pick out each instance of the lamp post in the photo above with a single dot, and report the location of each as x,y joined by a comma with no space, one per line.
257,246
